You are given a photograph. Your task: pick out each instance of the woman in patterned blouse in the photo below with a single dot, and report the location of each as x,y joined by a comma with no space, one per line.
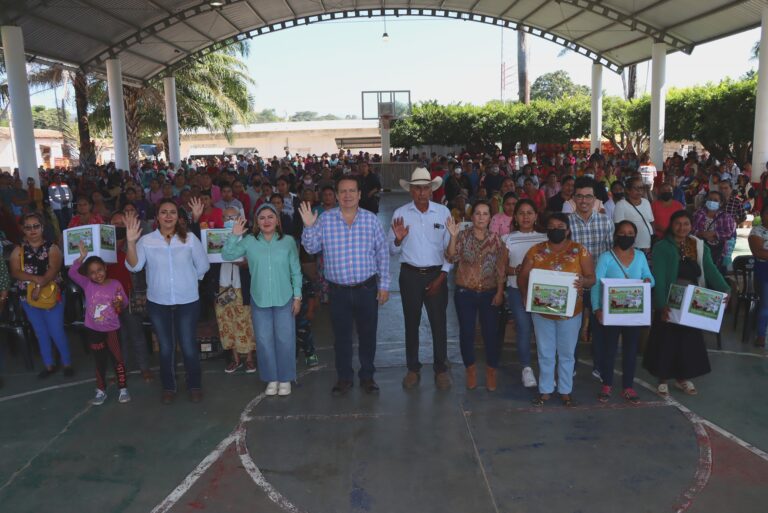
556,336
481,260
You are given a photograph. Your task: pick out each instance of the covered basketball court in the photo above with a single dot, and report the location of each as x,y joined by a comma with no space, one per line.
420,450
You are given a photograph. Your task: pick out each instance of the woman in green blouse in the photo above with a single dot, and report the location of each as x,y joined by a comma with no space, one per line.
675,351
273,260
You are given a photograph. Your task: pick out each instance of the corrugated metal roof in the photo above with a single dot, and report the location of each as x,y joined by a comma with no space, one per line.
151,36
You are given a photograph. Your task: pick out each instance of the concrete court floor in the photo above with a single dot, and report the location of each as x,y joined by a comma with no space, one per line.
419,451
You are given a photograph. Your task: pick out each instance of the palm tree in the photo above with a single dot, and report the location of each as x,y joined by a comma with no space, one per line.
48,77
211,91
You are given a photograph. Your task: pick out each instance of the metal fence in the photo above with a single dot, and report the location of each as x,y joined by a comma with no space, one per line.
390,173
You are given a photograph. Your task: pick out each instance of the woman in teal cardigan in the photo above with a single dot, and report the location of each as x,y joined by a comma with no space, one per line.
273,259
675,351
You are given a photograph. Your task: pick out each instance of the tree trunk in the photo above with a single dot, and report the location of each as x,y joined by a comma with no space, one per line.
631,81
132,122
524,85
87,150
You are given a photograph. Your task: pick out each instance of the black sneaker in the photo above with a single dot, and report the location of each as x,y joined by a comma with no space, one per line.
69,372
341,388
46,372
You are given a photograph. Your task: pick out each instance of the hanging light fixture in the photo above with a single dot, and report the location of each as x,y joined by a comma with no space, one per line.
385,36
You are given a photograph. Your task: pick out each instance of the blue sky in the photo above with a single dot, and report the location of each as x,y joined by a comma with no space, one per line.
324,67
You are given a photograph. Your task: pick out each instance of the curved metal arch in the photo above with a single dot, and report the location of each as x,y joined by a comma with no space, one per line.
458,15
631,21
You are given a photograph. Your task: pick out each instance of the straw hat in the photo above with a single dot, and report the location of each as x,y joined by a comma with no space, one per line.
421,176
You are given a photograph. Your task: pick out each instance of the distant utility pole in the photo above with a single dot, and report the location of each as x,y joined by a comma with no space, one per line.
524,85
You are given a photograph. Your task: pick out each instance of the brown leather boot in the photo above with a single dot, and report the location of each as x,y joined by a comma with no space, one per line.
471,377
411,379
490,379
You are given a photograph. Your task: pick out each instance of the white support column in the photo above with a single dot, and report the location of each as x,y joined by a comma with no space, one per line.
385,146
22,128
117,113
173,152
760,139
658,101
596,130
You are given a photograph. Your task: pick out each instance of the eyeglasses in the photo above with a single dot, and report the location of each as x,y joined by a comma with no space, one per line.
230,218
583,197
31,227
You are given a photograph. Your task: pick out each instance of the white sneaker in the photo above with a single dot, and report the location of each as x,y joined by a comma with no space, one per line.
124,396
101,396
271,388
529,380
284,389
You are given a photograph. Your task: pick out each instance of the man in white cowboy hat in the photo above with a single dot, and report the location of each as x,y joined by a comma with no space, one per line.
420,237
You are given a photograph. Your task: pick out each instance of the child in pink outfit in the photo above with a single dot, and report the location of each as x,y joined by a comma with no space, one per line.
104,298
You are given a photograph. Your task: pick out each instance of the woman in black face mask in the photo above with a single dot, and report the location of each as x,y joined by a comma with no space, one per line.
622,262
557,335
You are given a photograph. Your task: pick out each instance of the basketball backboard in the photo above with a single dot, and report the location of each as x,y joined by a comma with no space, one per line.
391,104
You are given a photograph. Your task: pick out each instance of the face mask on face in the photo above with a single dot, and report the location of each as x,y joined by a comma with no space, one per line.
556,235
587,175
618,196
713,205
229,224
457,171
665,196
120,232
625,241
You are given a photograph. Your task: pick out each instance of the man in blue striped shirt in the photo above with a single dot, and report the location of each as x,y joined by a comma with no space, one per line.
357,268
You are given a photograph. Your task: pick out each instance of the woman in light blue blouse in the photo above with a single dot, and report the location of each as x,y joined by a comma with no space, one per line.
175,261
273,260
621,262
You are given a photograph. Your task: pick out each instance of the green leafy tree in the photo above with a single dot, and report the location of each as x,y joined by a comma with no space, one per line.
265,116
556,85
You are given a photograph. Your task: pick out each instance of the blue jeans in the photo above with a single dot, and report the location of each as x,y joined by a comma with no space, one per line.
177,323
468,304
49,330
597,332
630,337
356,306
556,342
275,331
523,325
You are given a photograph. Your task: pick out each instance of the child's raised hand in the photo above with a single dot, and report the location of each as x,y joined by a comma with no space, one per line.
83,251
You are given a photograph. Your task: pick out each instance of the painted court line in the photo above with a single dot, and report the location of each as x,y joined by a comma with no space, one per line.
722,431
237,436
258,478
479,461
76,383
337,416
738,353
691,415
45,447
703,468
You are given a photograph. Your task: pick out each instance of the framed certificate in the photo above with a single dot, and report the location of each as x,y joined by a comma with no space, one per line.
626,302
100,240
551,293
213,241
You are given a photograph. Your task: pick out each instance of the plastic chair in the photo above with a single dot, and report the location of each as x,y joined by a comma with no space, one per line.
748,294
18,330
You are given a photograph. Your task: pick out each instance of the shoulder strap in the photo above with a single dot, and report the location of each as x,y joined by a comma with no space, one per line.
647,226
621,266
